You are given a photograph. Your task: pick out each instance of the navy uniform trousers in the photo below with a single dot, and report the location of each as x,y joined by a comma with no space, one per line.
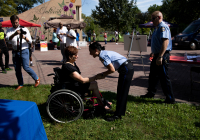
126,72
160,73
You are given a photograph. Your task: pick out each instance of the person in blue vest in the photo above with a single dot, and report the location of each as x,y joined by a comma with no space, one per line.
161,45
3,50
113,61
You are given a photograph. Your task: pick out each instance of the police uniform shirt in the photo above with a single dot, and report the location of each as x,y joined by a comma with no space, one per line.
107,57
25,44
162,31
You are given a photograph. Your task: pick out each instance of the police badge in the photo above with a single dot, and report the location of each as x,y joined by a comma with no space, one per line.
162,29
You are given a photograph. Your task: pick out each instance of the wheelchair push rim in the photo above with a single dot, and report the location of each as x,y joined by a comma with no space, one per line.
64,106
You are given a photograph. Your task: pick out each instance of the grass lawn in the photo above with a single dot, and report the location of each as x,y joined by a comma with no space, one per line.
145,119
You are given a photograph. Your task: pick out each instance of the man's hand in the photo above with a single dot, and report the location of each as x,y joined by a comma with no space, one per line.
68,35
17,32
60,40
151,55
159,61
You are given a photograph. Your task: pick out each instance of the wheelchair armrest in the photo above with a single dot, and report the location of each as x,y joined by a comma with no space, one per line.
50,74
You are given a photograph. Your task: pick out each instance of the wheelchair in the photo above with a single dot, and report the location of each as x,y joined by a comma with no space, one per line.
64,105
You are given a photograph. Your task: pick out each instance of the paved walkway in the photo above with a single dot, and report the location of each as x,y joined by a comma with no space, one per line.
44,62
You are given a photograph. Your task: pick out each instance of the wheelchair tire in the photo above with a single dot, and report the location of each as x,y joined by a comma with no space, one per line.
64,106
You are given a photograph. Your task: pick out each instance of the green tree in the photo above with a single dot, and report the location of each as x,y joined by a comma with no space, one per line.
24,5
90,25
181,12
153,8
7,8
115,14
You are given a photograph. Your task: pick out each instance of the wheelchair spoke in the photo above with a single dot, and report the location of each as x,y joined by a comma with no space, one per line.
56,102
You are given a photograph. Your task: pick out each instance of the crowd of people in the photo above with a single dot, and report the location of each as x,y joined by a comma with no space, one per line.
161,46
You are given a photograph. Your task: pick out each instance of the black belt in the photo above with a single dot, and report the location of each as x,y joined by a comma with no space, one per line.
124,64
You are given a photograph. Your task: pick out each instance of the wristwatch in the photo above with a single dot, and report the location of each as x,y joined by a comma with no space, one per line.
160,56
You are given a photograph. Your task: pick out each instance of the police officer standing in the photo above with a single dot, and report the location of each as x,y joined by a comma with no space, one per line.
161,45
115,62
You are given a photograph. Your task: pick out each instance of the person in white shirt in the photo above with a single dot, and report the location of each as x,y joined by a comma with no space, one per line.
116,36
61,34
20,55
71,37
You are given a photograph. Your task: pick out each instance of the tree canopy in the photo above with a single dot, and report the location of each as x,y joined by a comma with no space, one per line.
181,12
115,14
7,8
24,5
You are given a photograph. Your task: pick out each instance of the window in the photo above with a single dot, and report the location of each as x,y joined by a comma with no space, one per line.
77,13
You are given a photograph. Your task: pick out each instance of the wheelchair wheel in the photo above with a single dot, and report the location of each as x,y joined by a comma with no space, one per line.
64,106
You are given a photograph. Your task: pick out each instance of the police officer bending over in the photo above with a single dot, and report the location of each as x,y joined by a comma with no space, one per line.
115,62
161,45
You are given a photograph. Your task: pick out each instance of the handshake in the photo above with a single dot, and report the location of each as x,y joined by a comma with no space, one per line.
99,76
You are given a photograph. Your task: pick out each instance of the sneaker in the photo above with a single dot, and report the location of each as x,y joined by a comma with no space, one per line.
148,95
117,43
31,64
55,49
4,71
79,48
7,69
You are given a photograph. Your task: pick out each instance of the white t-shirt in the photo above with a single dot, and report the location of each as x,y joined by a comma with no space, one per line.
63,30
116,33
69,41
25,44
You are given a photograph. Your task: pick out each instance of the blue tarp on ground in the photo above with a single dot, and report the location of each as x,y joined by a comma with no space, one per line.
150,24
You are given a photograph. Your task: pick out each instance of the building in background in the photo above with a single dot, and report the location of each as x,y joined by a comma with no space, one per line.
51,9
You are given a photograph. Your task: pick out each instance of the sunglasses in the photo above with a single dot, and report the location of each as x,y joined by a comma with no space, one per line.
154,18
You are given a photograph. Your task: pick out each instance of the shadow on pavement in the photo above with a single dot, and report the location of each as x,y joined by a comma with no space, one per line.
50,62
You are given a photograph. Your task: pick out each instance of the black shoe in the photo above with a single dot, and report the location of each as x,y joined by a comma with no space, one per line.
169,102
109,111
113,118
148,95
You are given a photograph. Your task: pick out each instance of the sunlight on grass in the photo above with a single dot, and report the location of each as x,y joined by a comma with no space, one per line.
145,118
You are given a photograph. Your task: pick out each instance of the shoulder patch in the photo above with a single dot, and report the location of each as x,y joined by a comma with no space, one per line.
162,29
101,60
